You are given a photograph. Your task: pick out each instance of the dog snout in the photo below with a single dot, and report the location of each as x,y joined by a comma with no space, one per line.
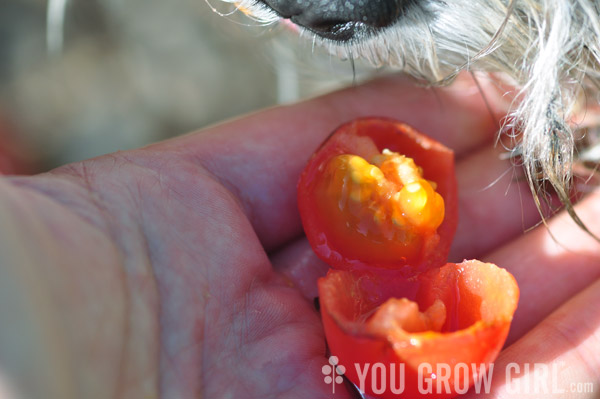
340,20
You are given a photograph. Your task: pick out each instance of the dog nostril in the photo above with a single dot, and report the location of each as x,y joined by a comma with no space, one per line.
340,19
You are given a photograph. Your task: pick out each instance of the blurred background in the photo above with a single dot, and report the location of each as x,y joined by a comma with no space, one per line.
80,78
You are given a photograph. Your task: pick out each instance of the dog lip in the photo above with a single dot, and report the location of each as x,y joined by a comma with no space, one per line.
339,31
334,30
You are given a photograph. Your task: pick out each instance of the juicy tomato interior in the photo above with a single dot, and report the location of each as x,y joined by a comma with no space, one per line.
379,194
385,201
459,313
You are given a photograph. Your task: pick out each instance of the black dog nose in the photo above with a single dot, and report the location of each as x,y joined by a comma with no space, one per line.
340,19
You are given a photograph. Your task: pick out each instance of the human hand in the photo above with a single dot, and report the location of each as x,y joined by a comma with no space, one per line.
181,270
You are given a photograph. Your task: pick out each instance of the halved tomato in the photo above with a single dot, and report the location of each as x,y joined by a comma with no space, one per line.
378,203
431,334
379,194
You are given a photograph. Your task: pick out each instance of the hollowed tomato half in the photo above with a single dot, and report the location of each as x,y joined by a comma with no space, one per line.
379,194
432,334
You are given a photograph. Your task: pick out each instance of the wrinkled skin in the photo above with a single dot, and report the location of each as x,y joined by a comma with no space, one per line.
181,270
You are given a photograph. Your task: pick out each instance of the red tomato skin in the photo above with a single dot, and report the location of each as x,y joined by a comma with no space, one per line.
476,344
437,162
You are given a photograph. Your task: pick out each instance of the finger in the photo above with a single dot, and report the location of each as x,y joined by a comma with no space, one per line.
495,204
301,266
557,359
260,157
551,270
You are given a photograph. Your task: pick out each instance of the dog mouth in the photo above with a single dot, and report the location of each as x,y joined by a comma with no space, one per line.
339,31
340,20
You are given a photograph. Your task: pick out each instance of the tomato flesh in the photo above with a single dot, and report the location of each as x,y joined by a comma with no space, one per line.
459,313
379,194
385,202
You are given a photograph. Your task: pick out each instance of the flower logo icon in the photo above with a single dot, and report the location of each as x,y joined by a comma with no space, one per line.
333,372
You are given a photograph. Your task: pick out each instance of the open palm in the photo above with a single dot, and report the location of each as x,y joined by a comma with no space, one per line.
180,270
